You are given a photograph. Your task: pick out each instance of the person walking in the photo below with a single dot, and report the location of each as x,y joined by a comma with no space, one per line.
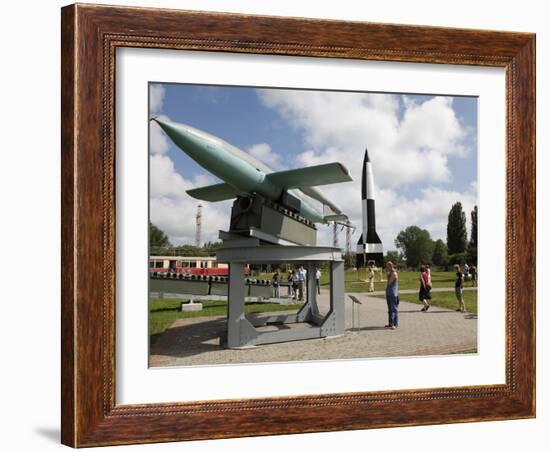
424,293
459,282
294,283
276,280
473,272
370,276
392,296
318,280
289,281
301,282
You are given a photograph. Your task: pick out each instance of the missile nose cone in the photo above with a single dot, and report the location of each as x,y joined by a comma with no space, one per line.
366,158
162,123
180,134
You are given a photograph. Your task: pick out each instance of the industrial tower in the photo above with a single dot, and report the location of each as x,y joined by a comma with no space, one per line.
348,238
198,222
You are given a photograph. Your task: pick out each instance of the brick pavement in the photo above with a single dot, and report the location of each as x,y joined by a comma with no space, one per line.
195,341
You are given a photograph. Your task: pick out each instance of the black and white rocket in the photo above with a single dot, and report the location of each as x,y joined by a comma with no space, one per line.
369,246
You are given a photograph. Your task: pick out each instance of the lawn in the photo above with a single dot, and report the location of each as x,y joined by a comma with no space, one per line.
407,280
164,311
446,300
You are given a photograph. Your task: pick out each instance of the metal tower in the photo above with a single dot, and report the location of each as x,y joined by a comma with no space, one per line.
335,235
198,222
348,237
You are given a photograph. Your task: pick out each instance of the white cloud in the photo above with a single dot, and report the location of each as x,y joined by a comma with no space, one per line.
432,125
338,127
430,211
156,98
174,211
265,154
158,142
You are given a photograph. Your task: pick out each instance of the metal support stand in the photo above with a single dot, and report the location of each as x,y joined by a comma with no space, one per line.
242,331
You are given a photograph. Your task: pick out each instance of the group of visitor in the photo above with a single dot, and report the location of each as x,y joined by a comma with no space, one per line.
424,293
470,274
296,281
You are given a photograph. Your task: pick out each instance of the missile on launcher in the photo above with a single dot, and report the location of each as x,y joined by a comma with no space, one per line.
244,175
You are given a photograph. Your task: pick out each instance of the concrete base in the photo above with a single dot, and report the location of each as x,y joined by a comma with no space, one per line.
186,307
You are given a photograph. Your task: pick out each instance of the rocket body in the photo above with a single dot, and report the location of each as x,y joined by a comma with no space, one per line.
369,246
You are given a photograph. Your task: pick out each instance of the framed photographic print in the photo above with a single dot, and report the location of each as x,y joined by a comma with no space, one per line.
282,225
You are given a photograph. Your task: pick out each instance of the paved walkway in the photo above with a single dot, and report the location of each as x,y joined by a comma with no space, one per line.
195,341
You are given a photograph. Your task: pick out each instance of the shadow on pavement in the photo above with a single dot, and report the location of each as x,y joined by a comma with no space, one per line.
366,328
190,339
198,336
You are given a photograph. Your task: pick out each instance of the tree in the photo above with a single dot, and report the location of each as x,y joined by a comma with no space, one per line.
458,258
212,247
188,250
457,236
349,260
416,244
395,257
157,237
440,256
472,246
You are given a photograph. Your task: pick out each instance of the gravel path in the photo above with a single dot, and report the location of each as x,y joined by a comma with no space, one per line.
195,341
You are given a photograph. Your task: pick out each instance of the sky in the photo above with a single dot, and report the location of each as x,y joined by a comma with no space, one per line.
423,151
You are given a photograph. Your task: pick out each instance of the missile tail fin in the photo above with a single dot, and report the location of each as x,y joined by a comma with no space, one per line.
360,241
214,193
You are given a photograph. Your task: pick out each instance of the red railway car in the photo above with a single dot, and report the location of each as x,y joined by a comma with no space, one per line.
189,265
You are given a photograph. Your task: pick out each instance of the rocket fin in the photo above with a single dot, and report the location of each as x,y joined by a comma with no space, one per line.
311,176
214,193
360,241
331,215
336,218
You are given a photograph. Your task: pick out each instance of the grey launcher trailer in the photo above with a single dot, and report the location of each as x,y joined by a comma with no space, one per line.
272,221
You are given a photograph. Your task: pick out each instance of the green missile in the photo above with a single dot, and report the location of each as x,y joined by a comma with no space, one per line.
243,174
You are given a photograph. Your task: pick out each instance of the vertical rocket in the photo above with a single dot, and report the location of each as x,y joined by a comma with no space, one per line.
369,246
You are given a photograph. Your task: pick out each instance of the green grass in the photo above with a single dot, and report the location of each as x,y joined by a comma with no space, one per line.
446,300
165,311
407,280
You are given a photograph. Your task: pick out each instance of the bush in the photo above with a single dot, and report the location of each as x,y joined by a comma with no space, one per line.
457,258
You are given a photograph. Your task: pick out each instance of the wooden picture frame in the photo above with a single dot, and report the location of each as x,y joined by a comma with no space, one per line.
90,36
